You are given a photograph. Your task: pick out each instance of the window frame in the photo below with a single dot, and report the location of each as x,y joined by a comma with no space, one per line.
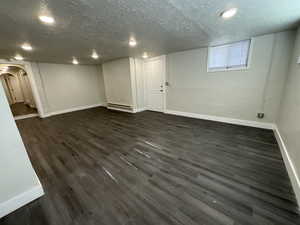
238,68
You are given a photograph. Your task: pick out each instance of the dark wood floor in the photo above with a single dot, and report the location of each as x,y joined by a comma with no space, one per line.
20,109
104,167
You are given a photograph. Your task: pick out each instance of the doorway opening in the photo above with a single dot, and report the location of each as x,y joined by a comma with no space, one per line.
18,90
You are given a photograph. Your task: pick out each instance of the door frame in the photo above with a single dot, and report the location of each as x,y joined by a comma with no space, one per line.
29,71
163,59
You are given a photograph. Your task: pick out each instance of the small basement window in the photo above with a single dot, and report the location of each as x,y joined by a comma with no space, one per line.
233,56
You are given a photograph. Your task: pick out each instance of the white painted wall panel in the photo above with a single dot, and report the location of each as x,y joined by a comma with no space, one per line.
65,86
117,79
289,115
16,172
140,84
232,94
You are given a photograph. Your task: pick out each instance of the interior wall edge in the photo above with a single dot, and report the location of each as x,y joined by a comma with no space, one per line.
132,69
289,164
20,200
249,123
39,82
288,71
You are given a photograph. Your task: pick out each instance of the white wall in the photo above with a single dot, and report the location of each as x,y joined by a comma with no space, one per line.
117,79
289,115
16,172
125,83
139,79
63,87
233,94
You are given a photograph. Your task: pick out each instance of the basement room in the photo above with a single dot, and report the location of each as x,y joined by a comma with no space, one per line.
170,112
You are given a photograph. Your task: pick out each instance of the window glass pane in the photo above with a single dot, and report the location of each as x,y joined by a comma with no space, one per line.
245,52
218,57
229,56
238,54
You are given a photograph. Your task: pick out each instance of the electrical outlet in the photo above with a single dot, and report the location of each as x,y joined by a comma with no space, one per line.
298,60
260,115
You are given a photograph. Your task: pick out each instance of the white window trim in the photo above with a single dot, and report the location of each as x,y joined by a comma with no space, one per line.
231,68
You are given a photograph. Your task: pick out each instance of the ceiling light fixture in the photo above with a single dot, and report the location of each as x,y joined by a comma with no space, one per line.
145,55
229,13
19,57
47,19
95,55
75,61
132,42
27,47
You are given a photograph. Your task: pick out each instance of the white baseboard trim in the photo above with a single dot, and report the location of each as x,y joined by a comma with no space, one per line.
249,123
72,110
26,116
20,200
292,172
129,111
140,110
121,110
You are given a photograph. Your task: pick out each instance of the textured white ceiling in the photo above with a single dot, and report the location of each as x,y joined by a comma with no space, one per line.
160,26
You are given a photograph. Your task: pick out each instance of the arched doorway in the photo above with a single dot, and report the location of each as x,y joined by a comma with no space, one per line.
18,91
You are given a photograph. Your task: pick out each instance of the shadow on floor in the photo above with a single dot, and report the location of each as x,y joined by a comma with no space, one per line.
20,109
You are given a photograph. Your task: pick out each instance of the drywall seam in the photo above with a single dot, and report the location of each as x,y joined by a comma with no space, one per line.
267,81
20,200
292,172
249,123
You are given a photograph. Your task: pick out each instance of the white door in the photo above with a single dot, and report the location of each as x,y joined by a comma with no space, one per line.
155,72
6,89
15,89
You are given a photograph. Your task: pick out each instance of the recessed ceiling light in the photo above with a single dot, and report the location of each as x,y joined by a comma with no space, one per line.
95,55
26,47
145,55
229,13
132,42
47,19
19,57
75,61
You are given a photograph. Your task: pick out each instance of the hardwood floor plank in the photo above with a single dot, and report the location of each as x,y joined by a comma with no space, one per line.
106,167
